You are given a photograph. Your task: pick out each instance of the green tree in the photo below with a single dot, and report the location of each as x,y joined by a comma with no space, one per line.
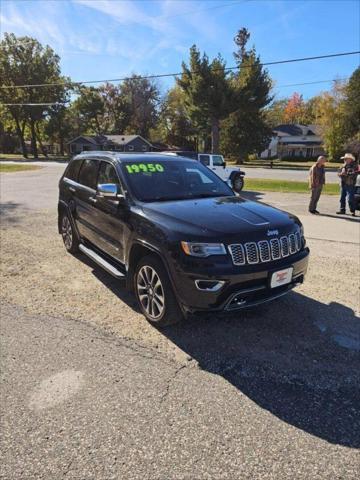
90,107
246,131
141,99
274,113
59,126
209,96
24,61
117,109
352,106
330,116
174,126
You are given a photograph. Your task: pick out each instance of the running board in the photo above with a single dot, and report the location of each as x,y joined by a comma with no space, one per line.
101,261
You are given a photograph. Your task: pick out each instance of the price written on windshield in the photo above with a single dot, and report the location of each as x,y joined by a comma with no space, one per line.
145,167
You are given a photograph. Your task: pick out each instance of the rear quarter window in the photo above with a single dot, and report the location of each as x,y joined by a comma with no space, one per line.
72,171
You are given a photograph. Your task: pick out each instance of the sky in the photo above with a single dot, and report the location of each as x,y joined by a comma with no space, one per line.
106,39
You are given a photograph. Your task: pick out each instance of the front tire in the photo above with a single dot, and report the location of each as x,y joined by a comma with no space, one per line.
237,183
68,234
154,292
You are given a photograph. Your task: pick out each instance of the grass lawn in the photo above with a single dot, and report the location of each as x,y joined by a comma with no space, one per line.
11,167
16,157
286,186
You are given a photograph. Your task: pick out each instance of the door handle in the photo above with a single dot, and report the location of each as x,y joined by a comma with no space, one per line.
92,199
72,189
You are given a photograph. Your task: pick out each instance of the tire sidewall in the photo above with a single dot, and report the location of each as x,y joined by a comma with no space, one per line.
74,242
151,262
172,312
236,178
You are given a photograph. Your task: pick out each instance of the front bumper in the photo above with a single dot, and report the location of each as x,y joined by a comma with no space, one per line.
243,287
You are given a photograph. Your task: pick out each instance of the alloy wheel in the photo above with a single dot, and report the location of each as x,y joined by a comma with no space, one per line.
150,292
66,231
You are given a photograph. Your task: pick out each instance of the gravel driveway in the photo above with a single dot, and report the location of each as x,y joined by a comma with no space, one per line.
269,393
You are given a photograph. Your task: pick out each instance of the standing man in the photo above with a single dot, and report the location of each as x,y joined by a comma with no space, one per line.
316,182
348,173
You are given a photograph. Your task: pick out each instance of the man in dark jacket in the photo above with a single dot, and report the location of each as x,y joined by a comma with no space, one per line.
316,182
348,173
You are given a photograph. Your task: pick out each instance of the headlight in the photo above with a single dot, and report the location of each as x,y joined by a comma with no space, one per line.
203,249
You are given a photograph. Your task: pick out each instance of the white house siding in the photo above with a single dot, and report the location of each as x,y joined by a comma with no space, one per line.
271,151
293,146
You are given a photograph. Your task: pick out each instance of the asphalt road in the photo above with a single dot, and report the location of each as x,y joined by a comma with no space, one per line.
89,390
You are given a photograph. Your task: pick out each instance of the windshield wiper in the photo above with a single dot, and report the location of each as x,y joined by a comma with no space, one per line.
208,195
164,199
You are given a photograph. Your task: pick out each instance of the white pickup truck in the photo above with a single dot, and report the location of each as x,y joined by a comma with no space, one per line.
231,175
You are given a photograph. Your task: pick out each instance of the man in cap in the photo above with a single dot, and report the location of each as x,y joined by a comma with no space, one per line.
348,173
316,182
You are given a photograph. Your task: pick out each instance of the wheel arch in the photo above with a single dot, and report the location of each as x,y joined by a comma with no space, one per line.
137,251
63,207
234,174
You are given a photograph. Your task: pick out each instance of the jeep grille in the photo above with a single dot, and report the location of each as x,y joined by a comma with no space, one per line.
265,250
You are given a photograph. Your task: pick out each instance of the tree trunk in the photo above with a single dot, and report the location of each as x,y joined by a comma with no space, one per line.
62,147
20,134
43,149
33,139
215,135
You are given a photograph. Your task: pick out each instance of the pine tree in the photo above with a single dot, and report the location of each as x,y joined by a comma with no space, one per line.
245,131
209,97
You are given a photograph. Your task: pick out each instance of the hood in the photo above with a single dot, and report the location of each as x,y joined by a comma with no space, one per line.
221,217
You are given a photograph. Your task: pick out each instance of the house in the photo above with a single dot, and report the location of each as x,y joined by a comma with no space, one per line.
118,143
293,140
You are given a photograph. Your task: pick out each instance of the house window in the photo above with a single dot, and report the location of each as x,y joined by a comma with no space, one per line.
131,148
144,149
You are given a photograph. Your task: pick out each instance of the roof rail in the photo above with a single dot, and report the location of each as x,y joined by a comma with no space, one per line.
97,153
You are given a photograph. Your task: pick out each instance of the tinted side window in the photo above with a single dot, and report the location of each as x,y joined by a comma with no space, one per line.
72,171
88,173
107,174
204,159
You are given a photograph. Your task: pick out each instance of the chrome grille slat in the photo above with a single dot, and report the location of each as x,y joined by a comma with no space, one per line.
252,254
292,244
275,248
284,242
237,253
264,251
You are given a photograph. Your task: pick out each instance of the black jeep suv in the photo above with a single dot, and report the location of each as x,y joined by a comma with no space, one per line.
178,235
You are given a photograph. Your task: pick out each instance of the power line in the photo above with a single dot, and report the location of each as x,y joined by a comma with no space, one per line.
275,86
142,77
311,83
30,104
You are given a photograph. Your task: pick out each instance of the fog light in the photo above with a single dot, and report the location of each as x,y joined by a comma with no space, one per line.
209,285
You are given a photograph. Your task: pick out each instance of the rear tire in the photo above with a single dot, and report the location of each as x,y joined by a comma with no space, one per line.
68,234
237,183
155,294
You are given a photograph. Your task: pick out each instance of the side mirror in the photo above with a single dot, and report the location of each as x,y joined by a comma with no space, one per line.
224,164
108,190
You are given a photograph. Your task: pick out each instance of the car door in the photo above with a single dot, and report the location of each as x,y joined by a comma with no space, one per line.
85,200
218,166
109,219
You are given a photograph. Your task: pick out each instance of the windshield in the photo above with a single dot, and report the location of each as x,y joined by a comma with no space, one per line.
162,180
